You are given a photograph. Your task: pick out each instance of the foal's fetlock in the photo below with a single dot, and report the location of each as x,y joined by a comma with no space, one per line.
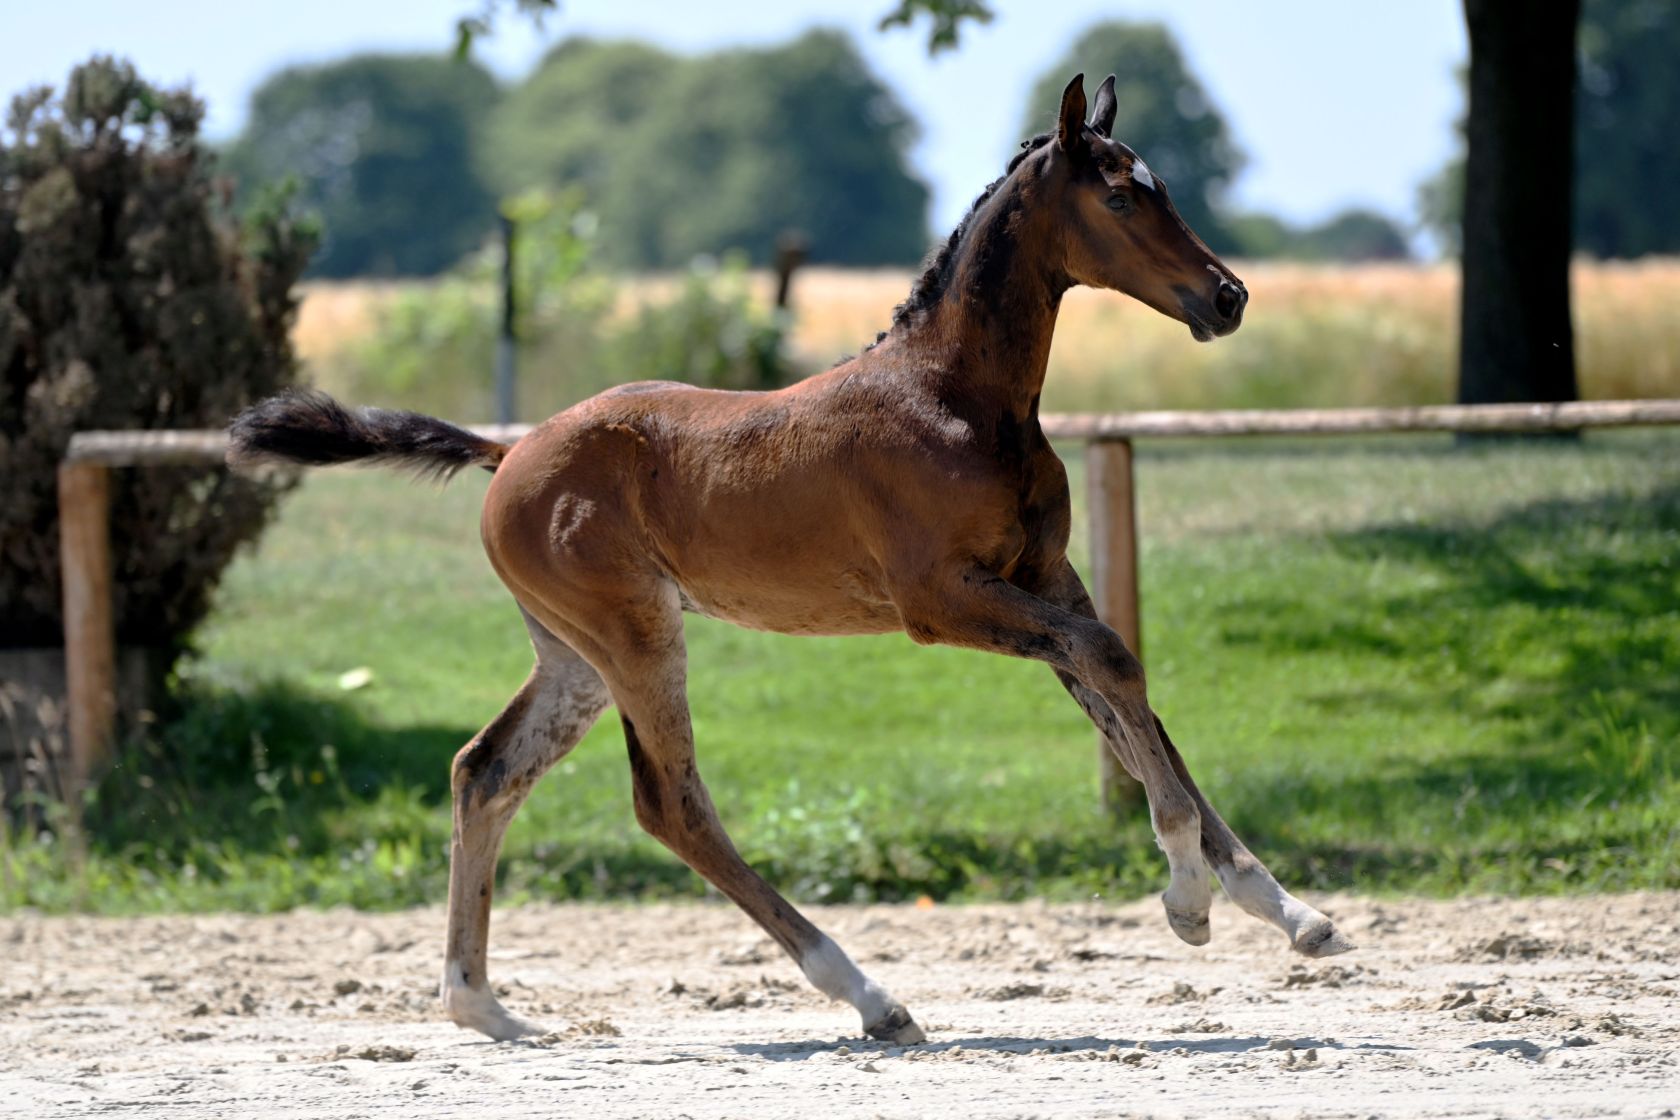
1321,939
896,1026
1192,926
478,1009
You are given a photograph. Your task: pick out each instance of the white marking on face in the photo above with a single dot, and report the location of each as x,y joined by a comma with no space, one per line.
1141,175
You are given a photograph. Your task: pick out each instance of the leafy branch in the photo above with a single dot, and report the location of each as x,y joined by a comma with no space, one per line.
946,19
946,15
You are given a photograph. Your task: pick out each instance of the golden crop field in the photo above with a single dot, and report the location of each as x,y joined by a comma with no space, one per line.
1315,334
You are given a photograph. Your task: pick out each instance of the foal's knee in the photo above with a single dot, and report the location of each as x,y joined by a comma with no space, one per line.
1176,817
1102,654
1174,813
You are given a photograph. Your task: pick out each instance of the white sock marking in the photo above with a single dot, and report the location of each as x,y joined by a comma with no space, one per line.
832,972
1187,890
478,1009
1259,894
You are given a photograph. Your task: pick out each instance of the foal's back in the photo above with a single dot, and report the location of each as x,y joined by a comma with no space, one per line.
779,510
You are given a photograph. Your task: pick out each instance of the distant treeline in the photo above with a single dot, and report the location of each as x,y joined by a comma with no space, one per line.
405,158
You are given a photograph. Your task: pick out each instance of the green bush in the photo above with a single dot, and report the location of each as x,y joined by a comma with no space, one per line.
711,333
432,347
129,299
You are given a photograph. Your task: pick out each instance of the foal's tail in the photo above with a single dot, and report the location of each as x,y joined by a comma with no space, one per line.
309,427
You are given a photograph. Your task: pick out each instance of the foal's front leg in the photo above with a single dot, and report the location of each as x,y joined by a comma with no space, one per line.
1246,880
980,610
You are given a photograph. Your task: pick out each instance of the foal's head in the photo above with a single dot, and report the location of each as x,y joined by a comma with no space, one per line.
1120,228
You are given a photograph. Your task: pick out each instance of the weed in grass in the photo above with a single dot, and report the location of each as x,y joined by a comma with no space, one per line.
1626,759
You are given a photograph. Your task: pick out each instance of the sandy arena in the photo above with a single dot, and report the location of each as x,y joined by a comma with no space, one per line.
1541,1007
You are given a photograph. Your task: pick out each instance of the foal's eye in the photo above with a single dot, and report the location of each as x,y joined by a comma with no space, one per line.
1119,203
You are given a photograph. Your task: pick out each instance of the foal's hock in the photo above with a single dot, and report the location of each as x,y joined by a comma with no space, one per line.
908,489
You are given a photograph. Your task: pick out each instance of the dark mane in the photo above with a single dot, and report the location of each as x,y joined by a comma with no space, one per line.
936,273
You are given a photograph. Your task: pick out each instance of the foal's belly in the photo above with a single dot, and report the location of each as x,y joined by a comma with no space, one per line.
827,601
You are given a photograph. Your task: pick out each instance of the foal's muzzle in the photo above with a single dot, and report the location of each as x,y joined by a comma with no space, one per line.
1230,300
1216,313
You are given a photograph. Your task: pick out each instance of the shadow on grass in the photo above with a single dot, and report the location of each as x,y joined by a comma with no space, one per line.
222,739
1556,628
247,770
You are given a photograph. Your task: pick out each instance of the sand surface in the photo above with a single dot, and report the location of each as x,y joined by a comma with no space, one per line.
1540,1007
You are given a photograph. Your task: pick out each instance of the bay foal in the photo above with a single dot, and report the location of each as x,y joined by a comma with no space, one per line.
908,489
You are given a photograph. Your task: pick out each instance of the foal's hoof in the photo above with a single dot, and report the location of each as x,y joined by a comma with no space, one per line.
896,1026
1321,939
478,1009
1192,927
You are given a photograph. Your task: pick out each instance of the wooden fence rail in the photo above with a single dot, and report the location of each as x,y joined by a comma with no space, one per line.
84,515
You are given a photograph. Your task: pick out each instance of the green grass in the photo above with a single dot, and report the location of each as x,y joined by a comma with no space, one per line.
1394,665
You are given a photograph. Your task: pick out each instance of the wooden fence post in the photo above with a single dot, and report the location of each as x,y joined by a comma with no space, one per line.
90,658
507,394
1113,515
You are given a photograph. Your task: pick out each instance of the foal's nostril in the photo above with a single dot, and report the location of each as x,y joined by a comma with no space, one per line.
1230,299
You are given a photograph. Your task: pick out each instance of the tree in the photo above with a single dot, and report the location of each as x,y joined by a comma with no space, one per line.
564,125
1163,113
1355,235
1441,203
385,149
1352,236
724,151
1627,110
1627,118
128,300
1517,342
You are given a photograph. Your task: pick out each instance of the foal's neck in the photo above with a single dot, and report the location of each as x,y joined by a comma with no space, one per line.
988,337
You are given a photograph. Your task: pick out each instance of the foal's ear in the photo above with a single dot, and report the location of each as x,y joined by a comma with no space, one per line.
1102,113
1071,122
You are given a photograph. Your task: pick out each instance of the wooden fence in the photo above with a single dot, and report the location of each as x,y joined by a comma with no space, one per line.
84,516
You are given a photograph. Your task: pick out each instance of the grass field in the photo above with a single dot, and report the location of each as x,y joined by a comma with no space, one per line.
1394,664
1315,335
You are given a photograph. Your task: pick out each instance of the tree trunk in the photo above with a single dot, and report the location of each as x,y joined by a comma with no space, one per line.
1517,341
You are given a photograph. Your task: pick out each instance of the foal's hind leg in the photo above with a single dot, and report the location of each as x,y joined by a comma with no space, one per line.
1246,880
648,679
492,775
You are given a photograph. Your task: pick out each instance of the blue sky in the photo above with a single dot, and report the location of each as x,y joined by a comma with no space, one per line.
1335,103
